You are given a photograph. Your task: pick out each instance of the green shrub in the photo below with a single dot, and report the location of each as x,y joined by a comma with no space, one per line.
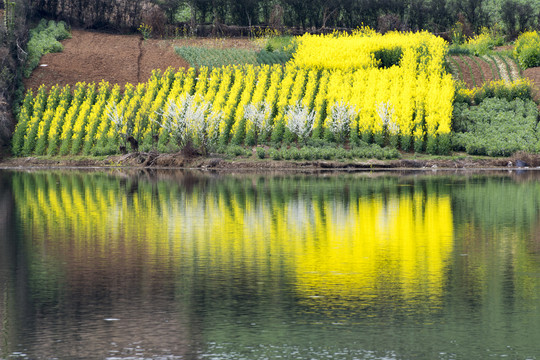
478,45
307,153
530,56
388,57
274,154
261,153
457,49
527,49
44,39
310,153
236,150
283,43
295,153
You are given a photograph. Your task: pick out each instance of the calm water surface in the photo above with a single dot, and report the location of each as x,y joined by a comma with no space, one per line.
179,265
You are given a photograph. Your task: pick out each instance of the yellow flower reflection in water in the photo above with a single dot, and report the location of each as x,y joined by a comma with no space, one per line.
334,247
396,249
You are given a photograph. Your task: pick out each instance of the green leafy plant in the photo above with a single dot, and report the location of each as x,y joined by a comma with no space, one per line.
261,153
497,127
519,89
212,57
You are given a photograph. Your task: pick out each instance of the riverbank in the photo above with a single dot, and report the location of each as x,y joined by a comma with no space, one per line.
155,160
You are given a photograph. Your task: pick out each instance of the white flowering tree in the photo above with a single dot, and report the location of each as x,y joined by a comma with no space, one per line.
123,128
300,121
190,121
341,116
385,110
257,117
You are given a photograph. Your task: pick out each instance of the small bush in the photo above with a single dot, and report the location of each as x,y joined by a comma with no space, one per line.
236,150
274,154
527,49
478,45
386,58
457,49
261,153
307,153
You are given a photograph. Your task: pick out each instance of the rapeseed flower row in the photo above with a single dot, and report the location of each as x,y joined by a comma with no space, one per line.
345,98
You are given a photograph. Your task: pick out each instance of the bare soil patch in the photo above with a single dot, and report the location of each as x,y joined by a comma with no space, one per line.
92,57
119,59
486,70
534,75
464,71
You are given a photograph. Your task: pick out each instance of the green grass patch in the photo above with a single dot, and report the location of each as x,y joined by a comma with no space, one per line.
210,57
44,38
310,152
283,43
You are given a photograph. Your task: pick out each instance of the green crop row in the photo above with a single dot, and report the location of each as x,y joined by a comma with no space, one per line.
211,57
496,127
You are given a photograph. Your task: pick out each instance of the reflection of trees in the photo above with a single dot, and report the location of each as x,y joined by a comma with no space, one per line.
497,202
492,274
217,251
12,271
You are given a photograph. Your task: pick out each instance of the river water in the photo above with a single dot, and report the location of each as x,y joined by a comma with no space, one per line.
194,265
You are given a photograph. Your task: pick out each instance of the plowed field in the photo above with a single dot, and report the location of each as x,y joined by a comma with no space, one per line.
91,57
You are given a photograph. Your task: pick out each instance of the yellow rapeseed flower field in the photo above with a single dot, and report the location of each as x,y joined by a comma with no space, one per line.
395,84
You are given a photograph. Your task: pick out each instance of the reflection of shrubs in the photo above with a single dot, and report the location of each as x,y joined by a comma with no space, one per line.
44,39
